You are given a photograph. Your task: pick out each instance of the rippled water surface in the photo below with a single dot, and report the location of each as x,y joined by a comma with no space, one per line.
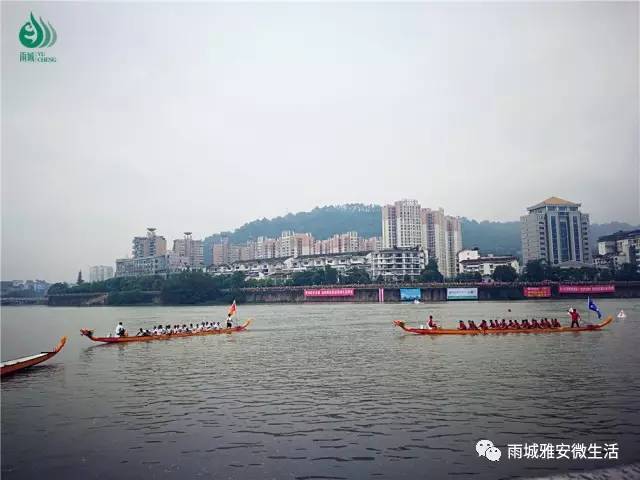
313,391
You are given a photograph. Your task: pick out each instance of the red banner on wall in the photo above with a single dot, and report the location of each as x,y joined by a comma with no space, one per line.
586,288
329,292
537,292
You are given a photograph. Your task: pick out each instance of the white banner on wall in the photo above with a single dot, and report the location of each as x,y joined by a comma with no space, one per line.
462,293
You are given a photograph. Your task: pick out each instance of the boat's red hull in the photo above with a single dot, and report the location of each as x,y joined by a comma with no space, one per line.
89,335
13,366
498,331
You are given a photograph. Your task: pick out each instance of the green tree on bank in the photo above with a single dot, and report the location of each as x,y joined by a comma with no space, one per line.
356,276
504,273
326,276
190,288
539,271
431,273
469,277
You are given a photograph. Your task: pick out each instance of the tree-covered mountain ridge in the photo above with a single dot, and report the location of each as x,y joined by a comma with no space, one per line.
499,238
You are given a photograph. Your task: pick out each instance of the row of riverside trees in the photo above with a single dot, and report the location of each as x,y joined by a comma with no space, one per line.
184,288
538,271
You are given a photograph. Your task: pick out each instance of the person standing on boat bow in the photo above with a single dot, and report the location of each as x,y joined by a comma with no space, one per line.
575,317
232,311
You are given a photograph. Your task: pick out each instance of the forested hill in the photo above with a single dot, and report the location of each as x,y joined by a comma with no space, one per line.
490,237
321,222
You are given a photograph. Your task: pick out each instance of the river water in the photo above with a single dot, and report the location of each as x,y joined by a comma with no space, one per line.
314,391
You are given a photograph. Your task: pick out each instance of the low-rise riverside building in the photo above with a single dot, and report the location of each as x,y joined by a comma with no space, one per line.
398,264
260,268
285,267
164,264
340,261
619,248
485,266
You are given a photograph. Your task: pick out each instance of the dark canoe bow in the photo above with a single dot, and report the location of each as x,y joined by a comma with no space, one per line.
451,331
13,366
89,334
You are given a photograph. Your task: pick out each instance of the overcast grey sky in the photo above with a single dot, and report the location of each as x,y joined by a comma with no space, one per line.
202,117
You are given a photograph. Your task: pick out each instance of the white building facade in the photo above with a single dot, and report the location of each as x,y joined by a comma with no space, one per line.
165,264
485,266
556,231
397,264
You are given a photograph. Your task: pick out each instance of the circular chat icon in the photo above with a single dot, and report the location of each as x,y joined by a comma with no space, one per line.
493,454
482,446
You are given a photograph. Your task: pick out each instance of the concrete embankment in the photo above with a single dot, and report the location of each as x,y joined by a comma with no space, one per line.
103,298
378,293
23,301
438,292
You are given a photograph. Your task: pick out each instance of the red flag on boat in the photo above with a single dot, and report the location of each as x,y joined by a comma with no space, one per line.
232,308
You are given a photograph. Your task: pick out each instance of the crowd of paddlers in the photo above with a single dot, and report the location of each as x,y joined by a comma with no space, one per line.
510,324
175,329
184,328
504,324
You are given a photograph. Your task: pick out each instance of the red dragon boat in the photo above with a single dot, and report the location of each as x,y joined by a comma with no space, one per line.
89,334
491,331
13,366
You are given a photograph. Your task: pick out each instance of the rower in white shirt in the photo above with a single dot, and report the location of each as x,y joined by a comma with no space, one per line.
120,330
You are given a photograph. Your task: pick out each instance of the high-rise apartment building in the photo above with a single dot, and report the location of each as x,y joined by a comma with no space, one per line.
401,224
248,251
453,244
432,230
150,245
556,232
100,273
303,244
265,248
292,244
220,254
442,236
191,249
389,225
349,242
372,244
433,233
408,224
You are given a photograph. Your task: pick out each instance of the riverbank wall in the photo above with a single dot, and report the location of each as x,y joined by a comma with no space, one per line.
103,298
438,292
389,293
